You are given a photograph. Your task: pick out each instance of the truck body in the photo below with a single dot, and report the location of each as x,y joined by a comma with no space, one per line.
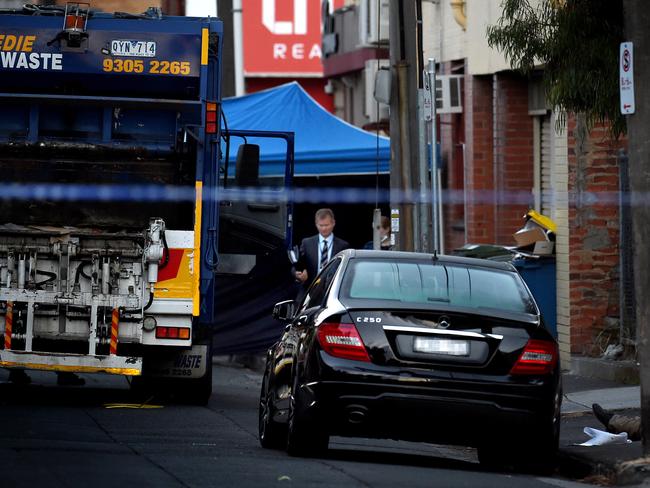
120,215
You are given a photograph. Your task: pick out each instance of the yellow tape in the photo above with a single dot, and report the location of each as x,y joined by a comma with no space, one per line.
71,369
196,297
205,37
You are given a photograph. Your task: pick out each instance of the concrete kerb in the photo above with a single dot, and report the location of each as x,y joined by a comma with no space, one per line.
625,372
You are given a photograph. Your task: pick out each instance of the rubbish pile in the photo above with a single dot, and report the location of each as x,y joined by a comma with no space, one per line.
537,236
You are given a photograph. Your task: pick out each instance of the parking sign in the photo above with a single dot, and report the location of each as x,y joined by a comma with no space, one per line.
626,78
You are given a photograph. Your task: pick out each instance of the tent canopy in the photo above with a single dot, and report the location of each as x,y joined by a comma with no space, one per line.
324,144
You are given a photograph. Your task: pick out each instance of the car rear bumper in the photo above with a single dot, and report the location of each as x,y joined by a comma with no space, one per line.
444,409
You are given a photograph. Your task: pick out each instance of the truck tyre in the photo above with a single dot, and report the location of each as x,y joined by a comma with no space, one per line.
198,391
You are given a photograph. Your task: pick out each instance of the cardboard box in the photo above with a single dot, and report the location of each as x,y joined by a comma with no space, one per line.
527,236
544,248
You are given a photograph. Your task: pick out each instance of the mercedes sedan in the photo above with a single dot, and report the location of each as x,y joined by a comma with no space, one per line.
416,347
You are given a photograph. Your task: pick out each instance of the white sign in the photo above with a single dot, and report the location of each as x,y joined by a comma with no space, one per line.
626,78
280,28
133,48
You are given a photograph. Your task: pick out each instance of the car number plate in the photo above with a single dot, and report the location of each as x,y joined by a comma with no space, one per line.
135,48
436,345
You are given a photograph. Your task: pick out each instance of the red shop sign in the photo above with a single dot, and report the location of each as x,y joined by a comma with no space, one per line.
283,37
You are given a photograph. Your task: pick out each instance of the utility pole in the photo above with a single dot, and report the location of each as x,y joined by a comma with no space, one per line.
637,19
406,175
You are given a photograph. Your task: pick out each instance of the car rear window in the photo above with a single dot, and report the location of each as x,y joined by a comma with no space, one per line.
450,284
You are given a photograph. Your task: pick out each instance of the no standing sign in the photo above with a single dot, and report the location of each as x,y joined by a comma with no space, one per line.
626,78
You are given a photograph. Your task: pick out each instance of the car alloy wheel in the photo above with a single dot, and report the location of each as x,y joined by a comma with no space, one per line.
272,435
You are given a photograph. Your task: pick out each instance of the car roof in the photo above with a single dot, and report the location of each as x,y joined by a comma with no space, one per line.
442,258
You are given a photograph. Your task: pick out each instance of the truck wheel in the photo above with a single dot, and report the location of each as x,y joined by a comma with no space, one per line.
272,434
198,391
305,437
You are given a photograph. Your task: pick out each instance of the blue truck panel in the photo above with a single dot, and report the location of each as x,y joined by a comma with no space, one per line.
171,65
111,140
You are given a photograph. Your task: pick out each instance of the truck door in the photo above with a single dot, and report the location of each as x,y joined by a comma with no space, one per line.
255,233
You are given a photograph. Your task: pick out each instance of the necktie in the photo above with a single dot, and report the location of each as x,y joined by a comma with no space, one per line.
323,255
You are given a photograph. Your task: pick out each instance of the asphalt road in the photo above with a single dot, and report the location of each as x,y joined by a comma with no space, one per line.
91,436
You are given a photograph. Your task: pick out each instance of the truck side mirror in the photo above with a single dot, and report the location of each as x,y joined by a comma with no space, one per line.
284,310
247,169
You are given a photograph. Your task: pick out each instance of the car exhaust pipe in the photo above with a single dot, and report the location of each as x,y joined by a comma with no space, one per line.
356,414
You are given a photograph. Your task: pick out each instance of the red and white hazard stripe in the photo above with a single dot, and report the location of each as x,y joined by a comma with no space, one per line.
115,320
9,320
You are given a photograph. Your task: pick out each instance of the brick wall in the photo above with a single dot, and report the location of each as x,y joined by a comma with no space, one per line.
514,158
499,150
479,176
593,233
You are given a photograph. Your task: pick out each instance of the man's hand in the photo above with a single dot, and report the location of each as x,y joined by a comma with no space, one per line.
302,276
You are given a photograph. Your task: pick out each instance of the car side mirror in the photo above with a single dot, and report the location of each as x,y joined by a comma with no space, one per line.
284,310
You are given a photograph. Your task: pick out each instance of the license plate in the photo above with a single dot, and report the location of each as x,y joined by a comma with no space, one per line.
134,48
435,345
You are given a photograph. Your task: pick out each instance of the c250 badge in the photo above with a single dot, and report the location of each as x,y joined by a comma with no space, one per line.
369,320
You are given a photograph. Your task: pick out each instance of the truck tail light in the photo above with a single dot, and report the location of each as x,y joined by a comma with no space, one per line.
342,341
210,118
538,358
172,333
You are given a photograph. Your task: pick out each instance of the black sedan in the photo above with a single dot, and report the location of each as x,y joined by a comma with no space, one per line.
416,347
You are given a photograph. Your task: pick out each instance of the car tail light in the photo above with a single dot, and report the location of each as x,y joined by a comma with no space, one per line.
538,357
342,341
172,333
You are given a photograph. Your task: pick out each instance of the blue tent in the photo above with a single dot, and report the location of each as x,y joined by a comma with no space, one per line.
324,144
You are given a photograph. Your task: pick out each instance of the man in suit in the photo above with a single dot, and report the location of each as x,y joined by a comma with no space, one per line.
316,251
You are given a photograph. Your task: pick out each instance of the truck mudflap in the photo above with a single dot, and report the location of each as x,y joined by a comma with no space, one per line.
186,363
77,363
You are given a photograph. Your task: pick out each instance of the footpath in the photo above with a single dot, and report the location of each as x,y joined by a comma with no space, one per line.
613,385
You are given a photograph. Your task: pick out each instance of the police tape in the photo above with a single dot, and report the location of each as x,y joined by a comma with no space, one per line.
268,194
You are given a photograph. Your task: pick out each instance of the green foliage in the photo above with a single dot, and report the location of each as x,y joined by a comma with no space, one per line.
577,44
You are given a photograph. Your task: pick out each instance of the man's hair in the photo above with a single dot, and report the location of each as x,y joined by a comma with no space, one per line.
322,213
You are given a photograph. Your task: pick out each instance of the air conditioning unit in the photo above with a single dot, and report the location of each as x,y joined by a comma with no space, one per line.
371,67
369,34
449,94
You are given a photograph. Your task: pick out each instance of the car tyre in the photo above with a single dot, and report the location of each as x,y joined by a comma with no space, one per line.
272,435
545,452
305,437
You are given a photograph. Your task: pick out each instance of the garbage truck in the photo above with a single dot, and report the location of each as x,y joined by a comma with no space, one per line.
125,201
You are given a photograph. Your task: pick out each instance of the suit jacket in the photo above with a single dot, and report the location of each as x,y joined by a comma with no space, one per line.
310,255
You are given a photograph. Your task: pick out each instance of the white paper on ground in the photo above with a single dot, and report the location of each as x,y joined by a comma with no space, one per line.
600,437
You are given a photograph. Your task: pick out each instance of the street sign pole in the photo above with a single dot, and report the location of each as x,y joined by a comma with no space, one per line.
431,78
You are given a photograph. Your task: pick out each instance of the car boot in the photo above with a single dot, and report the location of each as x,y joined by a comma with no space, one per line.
69,379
